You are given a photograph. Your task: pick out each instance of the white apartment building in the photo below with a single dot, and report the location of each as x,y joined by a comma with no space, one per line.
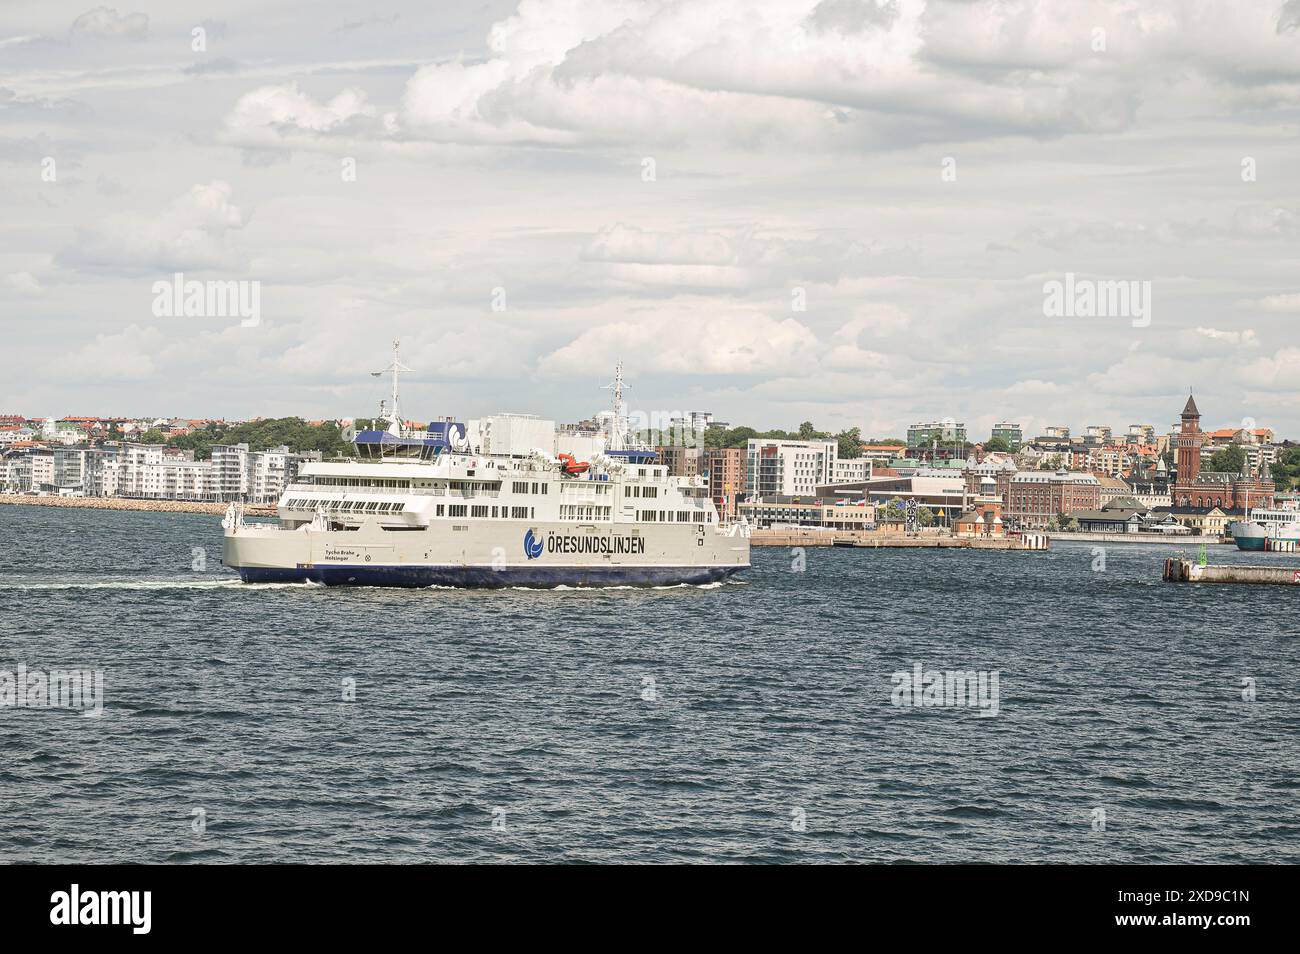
788,468
851,470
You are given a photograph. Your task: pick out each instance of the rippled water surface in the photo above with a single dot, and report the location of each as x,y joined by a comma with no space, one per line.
526,708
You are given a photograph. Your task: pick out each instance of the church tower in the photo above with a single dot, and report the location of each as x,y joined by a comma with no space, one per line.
1188,444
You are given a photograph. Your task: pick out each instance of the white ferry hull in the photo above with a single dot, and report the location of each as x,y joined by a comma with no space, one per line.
499,553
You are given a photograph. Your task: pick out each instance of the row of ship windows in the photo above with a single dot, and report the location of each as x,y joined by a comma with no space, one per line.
576,512
345,506
674,516
482,510
521,487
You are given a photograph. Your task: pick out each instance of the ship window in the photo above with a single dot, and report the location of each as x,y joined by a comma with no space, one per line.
519,513
478,511
494,511
456,510
440,509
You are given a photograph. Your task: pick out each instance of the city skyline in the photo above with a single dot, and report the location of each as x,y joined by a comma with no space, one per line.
863,232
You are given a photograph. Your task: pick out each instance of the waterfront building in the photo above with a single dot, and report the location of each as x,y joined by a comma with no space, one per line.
1035,497
725,469
789,468
1126,515
821,513
943,492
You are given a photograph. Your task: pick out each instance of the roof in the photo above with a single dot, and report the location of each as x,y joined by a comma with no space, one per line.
1189,409
1116,515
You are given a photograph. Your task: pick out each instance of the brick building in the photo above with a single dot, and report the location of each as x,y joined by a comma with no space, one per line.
1205,489
1034,497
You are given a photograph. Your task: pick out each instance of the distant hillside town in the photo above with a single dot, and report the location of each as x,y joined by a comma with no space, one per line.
1181,480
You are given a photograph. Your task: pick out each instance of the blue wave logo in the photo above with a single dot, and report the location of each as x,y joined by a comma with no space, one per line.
532,546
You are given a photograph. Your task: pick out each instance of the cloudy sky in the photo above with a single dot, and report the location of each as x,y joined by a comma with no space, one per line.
836,210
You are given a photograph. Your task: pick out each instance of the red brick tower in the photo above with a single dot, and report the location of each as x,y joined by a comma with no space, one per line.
1188,445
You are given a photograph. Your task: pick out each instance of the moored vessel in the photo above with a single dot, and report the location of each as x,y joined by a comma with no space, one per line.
1261,527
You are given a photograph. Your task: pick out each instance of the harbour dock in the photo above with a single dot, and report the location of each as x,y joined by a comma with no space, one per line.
1191,571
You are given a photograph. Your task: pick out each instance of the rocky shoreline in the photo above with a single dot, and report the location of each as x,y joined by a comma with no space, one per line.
125,503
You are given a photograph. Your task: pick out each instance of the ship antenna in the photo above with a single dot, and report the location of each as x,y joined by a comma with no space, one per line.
618,428
396,368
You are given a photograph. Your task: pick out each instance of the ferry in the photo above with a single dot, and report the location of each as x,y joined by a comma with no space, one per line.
424,509
1261,527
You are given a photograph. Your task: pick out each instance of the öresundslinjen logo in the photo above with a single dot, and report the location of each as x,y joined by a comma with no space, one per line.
532,546
179,298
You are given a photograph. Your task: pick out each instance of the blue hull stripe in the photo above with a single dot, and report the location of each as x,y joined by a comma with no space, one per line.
485,576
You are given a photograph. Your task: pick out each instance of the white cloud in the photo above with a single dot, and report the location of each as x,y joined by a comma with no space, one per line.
1285,304
275,115
681,340
190,232
1244,337
25,283
125,355
106,21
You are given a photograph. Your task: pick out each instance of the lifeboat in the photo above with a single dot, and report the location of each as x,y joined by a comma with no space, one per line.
570,467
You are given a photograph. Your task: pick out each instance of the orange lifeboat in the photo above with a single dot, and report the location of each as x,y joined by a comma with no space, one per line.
570,467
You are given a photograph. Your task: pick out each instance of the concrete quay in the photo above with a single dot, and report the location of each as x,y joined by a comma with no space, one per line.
1190,571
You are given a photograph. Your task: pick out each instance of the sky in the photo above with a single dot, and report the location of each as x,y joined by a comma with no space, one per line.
843,211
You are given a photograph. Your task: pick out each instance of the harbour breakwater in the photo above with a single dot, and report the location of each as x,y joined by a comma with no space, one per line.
1189,571
131,503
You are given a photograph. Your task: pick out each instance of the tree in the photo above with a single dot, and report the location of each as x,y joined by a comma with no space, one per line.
1286,469
850,442
997,445
807,432
1228,460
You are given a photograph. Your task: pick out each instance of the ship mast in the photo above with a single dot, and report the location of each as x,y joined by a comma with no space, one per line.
394,412
618,427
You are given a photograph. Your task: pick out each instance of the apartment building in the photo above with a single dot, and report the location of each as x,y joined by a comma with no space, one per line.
941,432
789,468
1012,433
